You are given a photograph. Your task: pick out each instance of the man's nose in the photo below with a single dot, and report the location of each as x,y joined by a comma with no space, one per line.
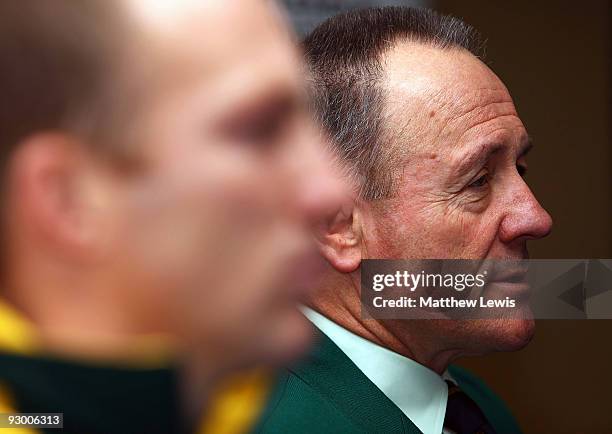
526,219
321,186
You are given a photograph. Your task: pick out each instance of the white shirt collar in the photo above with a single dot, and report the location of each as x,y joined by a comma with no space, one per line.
419,392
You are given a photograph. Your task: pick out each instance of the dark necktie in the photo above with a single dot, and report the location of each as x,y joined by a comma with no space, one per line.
463,416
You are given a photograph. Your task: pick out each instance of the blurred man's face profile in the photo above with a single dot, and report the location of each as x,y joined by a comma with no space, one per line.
212,230
460,191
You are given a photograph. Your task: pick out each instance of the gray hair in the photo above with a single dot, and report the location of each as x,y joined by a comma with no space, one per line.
344,55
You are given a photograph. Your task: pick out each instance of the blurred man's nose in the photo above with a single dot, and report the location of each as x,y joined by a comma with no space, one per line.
321,186
526,218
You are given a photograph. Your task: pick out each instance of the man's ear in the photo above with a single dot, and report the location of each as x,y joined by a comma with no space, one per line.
45,178
339,239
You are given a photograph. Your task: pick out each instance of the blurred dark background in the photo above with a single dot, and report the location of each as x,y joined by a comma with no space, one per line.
556,59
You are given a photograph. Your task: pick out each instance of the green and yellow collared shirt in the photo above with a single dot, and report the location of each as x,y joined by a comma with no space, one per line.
131,396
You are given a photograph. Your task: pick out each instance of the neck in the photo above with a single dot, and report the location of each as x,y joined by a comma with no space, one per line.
339,300
77,316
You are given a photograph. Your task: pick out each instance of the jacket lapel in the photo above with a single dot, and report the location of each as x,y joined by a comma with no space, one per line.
329,371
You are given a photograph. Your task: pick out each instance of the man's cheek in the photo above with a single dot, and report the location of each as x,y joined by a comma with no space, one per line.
475,236
449,234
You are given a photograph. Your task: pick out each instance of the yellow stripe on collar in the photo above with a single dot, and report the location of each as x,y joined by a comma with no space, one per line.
237,403
6,406
16,334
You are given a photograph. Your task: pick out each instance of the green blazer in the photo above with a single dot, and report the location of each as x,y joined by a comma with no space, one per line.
327,393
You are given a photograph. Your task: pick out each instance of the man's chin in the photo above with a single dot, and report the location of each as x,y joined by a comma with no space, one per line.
514,334
497,335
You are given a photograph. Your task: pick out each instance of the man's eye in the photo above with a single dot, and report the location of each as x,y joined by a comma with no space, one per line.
260,131
266,124
480,182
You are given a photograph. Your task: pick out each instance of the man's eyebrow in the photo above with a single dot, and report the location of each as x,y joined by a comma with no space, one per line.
484,152
477,157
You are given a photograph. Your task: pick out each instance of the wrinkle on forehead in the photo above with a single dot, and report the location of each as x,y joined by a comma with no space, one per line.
438,95
486,116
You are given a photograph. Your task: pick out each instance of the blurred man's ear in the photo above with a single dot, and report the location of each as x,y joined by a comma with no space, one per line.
339,239
47,193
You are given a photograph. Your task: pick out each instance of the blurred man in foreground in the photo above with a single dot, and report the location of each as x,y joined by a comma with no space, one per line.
159,177
436,152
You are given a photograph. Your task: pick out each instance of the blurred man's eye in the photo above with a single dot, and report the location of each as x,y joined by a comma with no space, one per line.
264,124
261,131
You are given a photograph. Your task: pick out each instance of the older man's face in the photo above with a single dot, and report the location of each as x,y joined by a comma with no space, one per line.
460,189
